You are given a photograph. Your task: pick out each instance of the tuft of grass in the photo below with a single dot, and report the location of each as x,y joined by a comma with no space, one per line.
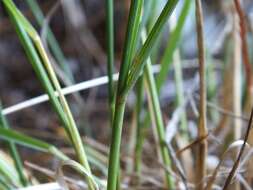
141,49
129,73
166,61
129,47
41,64
15,137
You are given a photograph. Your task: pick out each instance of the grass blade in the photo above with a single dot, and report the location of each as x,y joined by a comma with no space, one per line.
157,116
36,64
75,165
130,42
172,45
139,124
27,141
24,140
13,151
143,53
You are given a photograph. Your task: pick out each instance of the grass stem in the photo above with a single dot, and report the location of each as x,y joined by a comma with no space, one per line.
129,47
157,116
110,54
202,129
129,75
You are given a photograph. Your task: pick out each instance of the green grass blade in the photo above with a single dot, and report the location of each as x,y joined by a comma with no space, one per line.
139,124
24,140
177,30
178,73
144,52
180,92
110,54
33,143
13,151
156,114
127,79
4,185
130,41
172,45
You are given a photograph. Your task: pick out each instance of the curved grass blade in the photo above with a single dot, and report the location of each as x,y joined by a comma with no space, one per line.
13,151
36,64
78,167
27,141
24,140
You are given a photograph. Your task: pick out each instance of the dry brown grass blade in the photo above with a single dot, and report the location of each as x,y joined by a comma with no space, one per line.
194,143
202,129
237,162
247,65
